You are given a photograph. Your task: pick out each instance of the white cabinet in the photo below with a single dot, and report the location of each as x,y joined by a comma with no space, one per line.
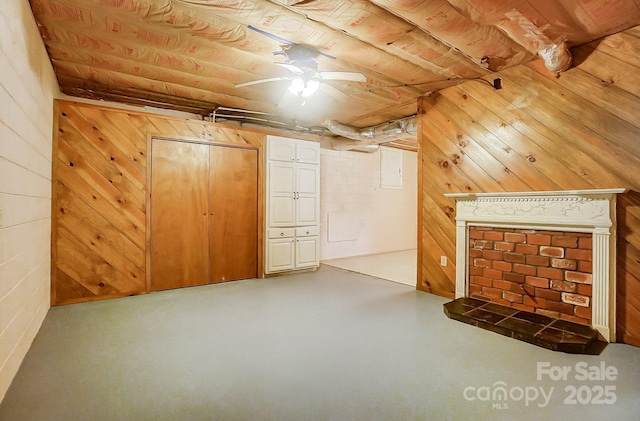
293,194
292,150
293,204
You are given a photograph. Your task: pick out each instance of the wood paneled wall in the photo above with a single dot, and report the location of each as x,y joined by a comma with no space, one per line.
99,238
577,131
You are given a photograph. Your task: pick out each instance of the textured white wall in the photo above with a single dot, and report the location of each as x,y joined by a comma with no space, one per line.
358,217
27,89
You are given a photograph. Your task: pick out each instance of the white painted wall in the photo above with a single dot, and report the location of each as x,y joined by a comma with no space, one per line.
27,89
359,217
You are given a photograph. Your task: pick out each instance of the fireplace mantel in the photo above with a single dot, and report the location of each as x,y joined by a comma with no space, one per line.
591,211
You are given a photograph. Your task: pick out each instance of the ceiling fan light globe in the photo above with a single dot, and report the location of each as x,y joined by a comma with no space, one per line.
310,88
297,86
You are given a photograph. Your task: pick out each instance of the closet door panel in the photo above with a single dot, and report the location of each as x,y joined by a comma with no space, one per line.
179,214
233,205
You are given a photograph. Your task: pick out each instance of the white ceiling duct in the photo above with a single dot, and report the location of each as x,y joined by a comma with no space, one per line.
363,138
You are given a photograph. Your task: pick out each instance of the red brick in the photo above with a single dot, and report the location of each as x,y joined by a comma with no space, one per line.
586,243
505,285
564,264
560,307
538,261
492,292
514,258
523,307
548,294
575,299
492,255
502,246
524,269
549,233
526,249
503,266
583,278
524,289
502,302
549,313
550,273
575,319
585,266
585,289
475,253
580,254
474,289
493,235
537,282
563,286
534,302
584,312
474,234
479,280
481,263
479,296
513,237
560,241
512,297
541,240
482,244
552,251
475,271
492,273
513,277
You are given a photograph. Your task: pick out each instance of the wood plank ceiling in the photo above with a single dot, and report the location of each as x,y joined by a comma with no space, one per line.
188,55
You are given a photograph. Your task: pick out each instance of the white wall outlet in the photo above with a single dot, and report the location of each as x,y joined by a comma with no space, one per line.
443,260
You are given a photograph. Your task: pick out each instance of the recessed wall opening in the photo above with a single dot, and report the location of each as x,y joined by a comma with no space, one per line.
544,272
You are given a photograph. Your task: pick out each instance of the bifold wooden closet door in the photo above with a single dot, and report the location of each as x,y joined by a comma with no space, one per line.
204,201
234,209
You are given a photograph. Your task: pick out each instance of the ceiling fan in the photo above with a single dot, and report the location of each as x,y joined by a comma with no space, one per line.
300,61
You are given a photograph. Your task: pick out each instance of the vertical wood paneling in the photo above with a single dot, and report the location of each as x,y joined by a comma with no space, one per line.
540,132
100,190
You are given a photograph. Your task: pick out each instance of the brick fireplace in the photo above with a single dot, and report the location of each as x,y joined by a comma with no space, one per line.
546,272
551,253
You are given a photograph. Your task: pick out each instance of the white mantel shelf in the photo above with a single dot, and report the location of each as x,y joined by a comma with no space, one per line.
558,193
590,211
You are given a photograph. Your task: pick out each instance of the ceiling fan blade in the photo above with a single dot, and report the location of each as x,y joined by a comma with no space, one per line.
255,82
350,76
274,37
291,67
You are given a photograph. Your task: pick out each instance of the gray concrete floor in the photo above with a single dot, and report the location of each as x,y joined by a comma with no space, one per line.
328,345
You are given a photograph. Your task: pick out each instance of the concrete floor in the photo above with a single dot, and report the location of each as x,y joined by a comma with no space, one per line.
397,266
328,345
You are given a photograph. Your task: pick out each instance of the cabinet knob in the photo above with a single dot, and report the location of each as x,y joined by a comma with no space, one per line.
282,234
307,232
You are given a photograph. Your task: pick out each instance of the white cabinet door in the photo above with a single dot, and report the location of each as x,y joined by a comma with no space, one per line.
280,254
293,150
307,197
282,187
282,149
307,252
308,153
